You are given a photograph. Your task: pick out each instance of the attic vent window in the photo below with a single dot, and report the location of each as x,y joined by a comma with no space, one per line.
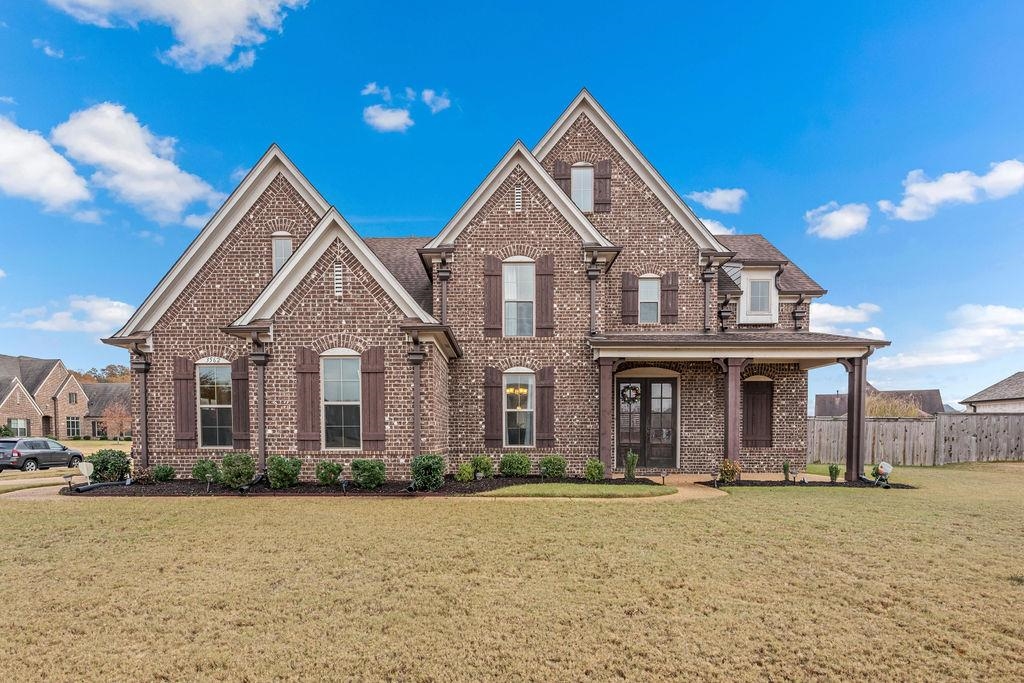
518,198
337,280
281,243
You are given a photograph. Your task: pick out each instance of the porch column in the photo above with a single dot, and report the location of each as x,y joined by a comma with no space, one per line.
140,366
732,368
416,356
856,374
606,398
260,357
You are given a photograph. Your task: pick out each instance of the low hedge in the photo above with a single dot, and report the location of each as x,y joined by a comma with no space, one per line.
515,465
109,465
482,464
328,472
237,470
207,470
427,472
553,467
593,470
162,473
367,474
464,473
283,472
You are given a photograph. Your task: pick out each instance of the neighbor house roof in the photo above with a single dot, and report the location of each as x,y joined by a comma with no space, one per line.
105,394
1008,389
399,255
928,401
756,249
32,372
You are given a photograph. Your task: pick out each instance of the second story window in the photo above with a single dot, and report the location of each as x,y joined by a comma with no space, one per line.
650,300
72,398
759,304
517,278
582,182
282,249
760,297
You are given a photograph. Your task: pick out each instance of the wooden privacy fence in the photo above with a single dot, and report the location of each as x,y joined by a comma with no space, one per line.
944,438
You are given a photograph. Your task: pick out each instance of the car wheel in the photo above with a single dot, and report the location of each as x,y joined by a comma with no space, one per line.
74,461
29,466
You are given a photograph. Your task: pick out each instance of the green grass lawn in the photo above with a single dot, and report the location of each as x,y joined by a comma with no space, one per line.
760,584
581,491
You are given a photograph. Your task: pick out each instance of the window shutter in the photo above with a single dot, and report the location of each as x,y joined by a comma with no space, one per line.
307,399
545,296
492,408
240,403
372,371
630,298
603,186
757,414
492,296
670,297
563,176
184,403
546,407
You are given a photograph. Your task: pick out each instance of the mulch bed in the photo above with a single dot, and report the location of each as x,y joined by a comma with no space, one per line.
779,482
390,489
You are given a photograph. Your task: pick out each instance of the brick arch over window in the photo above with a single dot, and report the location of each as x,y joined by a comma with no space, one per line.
228,353
511,250
510,362
771,371
339,340
281,224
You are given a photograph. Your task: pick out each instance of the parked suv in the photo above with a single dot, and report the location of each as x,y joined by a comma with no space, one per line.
35,453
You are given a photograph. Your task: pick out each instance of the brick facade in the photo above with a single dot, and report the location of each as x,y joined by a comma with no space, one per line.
20,405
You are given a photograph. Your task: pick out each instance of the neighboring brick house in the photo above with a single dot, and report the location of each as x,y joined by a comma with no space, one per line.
1005,396
573,305
40,397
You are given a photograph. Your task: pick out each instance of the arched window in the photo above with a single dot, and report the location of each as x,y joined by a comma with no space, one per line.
582,183
518,279
341,402
519,387
213,389
281,243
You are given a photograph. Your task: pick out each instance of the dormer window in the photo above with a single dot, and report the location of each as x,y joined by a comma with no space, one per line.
760,297
282,248
582,183
759,304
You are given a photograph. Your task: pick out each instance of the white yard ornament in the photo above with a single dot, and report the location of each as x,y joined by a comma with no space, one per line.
86,469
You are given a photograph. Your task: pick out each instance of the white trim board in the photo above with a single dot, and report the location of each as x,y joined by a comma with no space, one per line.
14,385
584,103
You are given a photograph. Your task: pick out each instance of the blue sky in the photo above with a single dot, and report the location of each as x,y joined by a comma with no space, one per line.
123,122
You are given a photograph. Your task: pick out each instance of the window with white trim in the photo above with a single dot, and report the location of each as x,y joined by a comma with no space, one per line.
518,278
519,387
72,398
650,299
282,249
342,399
213,387
760,297
759,304
73,426
18,426
582,184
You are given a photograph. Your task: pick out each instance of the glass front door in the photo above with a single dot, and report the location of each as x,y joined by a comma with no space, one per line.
646,422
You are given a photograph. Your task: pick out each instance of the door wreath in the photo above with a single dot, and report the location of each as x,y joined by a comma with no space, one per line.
630,394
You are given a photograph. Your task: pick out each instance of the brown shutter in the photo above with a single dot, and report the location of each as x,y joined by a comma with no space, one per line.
184,403
492,296
757,414
240,403
307,400
670,297
492,408
545,296
563,176
630,298
372,369
603,186
546,407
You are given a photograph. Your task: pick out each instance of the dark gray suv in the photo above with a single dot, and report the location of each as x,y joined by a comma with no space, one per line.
35,453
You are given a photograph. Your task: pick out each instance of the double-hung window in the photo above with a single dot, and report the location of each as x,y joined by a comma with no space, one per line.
760,297
341,400
518,279
582,184
74,426
72,398
519,388
214,387
650,299
282,248
18,426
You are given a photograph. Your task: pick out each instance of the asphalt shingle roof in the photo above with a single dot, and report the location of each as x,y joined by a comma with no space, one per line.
31,371
757,248
1010,388
103,394
399,255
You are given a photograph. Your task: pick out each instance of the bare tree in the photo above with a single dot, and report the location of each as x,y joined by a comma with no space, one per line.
116,419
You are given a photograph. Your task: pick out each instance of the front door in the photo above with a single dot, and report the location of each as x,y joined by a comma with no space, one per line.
646,422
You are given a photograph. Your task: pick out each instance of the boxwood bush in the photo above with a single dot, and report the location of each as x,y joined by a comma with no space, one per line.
483,464
367,474
593,470
283,472
237,470
162,473
553,467
427,472
328,472
206,470
109,465
515,465
465,473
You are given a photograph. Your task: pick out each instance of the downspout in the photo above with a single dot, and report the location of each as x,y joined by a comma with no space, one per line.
260,357
444,274
140,366
593,272
55,433
706,275
416,357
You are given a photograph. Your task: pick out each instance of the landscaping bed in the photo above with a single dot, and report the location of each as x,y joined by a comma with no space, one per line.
779,482
192,487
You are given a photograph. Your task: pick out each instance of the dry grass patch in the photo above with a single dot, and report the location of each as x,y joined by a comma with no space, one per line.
776,583
558,490
14,475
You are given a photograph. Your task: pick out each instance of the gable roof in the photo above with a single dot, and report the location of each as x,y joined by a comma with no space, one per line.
755,248
1008,389
217,229
584,103
518,154
332,226
101,395
928,401
399,255
7,387
32,372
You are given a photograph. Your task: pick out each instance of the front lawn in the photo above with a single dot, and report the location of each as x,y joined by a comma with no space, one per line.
764,583
581,491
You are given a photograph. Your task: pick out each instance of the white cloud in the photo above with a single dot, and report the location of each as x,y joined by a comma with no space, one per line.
410,94
834,222
48,50
88,216
372,88
832,319
83,314
196,221
154,237
719,199
3,273
435,102
207,33
7,99
31,168
132,162
387,119
923,197
717,227
239,173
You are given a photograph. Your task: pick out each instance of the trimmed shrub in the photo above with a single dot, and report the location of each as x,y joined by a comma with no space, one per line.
162,473
785,470
464,473
632,458
482,464
593,470
328,472
206,470
427,472
367,474
833,472
237,470
283,472
552,467
515,465
730,471
143,476
109,465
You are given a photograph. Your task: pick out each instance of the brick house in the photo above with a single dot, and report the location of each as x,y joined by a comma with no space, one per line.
40,397
573,305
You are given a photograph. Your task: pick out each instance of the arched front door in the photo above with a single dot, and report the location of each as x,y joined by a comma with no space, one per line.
646,421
